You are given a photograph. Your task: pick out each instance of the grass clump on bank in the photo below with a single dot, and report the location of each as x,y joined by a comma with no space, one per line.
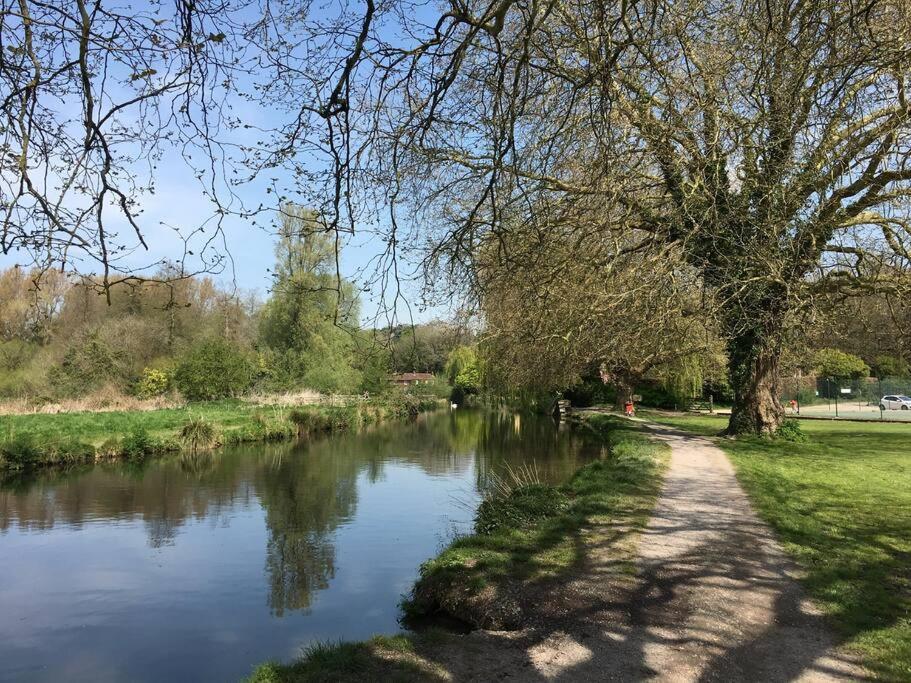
840,503
38,440
382,658
198,433
532,533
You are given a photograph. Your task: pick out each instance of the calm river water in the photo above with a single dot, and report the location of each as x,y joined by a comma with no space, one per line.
197,569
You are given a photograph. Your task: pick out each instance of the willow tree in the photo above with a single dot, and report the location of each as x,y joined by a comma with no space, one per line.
559,313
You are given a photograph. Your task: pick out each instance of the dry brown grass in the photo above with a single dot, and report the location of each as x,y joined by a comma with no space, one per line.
302,397
106,399
110,398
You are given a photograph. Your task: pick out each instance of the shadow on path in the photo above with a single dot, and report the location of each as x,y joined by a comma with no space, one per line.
713,598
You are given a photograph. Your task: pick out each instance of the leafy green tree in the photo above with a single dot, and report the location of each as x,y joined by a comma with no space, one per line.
424,347
374,366
464,370
891,366
89,363
214,369
840,365
311,318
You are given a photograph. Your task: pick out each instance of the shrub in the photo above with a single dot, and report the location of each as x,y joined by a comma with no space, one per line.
87,364
213,370
19,452
198,433
152,382
403,406
137,444
790,430
308,421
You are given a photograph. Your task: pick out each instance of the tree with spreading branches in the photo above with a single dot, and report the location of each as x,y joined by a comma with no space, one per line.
768,142
558,314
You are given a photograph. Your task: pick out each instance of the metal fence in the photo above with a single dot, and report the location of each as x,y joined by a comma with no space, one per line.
857,399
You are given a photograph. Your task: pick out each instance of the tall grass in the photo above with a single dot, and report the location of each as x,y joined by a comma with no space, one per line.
198,433
102,400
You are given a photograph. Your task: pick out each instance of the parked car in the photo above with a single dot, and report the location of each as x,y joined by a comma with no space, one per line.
895,402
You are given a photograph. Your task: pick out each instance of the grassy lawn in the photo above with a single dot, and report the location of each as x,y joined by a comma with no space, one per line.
97,427
841,505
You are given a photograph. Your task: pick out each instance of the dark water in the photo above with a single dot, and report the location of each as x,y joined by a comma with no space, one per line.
196,569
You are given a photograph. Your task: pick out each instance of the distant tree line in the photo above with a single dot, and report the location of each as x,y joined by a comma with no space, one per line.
67,336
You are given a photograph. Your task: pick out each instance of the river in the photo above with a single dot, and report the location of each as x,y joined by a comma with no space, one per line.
198,568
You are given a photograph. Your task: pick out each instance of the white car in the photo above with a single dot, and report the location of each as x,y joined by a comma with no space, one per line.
895,402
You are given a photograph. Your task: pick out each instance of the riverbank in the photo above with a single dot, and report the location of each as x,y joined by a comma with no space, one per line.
529,539
34,441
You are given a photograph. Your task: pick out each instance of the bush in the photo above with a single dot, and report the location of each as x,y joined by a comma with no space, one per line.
19,453
152,382
87,364
197,433
213,370
308,421
790,430
138,444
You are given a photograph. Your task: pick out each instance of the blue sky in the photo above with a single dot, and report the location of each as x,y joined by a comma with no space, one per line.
180,204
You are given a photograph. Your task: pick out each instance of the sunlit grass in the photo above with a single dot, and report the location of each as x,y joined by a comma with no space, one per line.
34,440
382,658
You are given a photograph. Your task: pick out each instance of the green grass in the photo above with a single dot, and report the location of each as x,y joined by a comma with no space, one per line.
36,440
840,503
97,427
382,658
535,533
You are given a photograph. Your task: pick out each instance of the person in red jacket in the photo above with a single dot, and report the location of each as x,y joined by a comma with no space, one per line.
629,409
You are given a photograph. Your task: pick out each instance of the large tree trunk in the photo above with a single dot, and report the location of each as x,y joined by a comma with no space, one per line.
753,361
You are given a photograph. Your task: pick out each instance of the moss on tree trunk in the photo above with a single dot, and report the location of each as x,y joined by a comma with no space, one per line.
753,362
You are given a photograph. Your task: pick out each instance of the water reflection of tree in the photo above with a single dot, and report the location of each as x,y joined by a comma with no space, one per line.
305,496
306,491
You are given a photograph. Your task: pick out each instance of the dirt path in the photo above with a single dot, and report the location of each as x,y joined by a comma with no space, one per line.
718,596
713,598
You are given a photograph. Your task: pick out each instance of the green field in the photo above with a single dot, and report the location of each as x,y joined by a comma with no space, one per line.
96,427
841,505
